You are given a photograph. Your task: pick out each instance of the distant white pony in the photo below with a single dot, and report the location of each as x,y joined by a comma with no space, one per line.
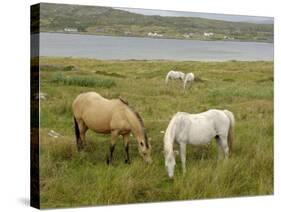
174,75
188,80
197,129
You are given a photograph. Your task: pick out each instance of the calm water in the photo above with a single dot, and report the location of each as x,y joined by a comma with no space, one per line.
108,47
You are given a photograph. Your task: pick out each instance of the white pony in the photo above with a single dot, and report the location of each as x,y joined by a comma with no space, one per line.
188,80
197,129
174,75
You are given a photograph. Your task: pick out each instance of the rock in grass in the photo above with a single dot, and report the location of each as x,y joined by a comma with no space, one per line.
53,134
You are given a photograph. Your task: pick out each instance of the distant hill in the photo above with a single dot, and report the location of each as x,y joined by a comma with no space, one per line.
108,21
213,16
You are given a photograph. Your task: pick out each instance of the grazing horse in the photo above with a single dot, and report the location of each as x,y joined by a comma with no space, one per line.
174,75
197,129
188,80
109,116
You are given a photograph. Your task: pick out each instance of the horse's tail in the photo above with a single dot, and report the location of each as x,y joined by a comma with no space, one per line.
230,136
77,132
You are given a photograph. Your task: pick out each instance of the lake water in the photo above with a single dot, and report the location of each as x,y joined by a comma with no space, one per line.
122,48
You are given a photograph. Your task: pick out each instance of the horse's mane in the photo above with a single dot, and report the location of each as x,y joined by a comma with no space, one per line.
123,100
138,117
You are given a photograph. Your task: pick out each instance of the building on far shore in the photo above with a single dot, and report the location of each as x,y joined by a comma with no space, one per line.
208,34
68,29
187,35
154,34
228,38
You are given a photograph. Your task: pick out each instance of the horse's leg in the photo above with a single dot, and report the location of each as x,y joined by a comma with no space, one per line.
183,156
189,85
219,147
78,129
83,129
224,146
126,145
77,134
114,135
184,85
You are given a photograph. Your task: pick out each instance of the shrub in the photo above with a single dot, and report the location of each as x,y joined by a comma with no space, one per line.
110,74
58,68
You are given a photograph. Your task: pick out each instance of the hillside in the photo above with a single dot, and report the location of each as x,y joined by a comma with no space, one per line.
108,21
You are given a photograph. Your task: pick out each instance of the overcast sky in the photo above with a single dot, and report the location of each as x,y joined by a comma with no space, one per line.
235,18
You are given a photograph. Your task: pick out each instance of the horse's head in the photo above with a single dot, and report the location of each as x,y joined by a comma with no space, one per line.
145,149
170,163
142,139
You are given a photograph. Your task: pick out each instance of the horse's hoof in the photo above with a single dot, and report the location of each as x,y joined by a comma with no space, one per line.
80,148
108,162
128,162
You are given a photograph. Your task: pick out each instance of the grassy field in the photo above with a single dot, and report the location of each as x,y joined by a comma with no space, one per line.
69,178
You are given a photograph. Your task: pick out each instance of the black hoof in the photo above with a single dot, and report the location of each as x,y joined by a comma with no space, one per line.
127,161
108,161
80,147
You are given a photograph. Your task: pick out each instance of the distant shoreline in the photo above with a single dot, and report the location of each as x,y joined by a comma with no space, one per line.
160,38
155,60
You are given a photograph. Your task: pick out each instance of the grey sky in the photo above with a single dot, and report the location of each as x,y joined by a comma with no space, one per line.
224,17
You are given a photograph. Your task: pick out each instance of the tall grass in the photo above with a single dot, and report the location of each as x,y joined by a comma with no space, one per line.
84,81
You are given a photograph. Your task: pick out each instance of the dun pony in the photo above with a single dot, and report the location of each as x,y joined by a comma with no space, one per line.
109,116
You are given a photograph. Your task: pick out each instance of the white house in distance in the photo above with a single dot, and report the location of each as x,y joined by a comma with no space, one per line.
154,34
68,29
208,34
187,35
228,38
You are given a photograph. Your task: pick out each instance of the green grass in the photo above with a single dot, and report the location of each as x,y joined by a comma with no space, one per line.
69,178
84,81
